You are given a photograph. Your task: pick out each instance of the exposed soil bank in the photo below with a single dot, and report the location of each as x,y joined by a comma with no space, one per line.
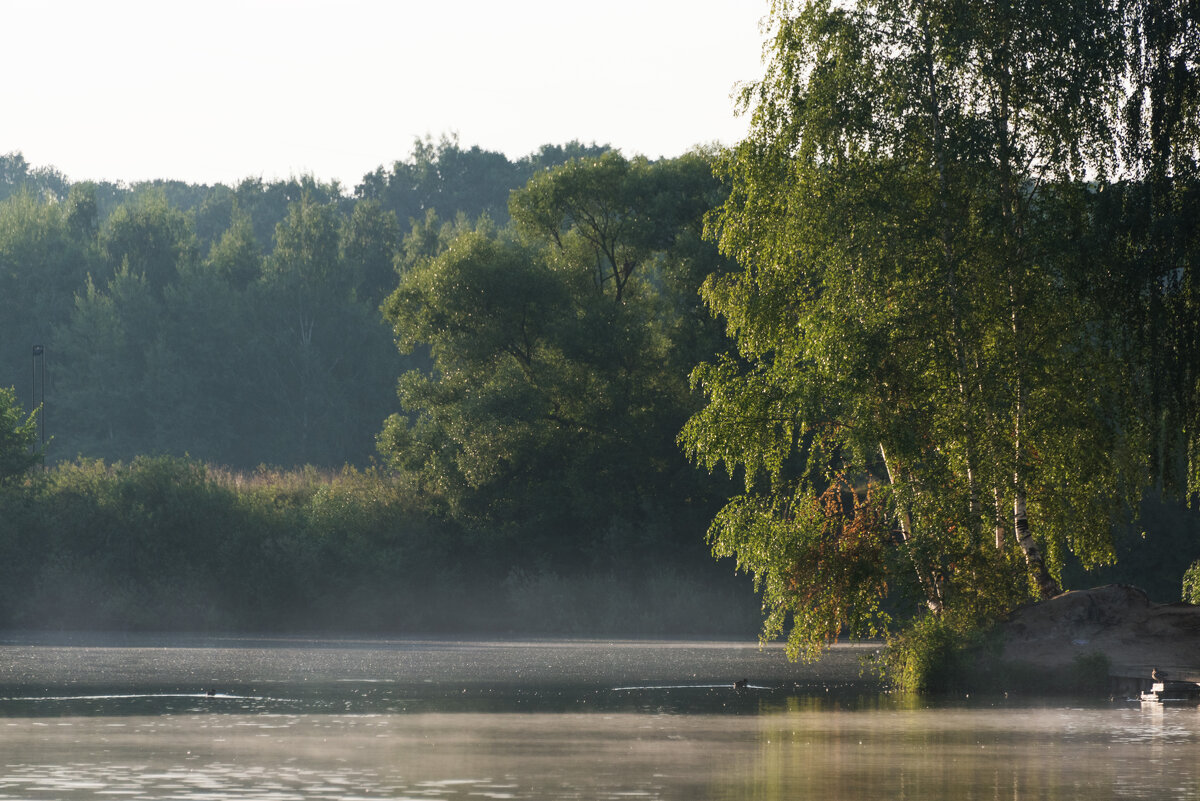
1118,621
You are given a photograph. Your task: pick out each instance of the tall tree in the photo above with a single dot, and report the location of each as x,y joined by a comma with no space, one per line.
1149,230
100,370
150,238
304,286
448,179
909,335
200,381
593,210
236,257
46,251
370,239
326,357
553,399
16,176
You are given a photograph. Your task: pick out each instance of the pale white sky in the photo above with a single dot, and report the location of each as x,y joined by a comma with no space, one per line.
219,90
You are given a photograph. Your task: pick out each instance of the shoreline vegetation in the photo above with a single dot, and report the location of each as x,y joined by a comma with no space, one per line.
167,543
1103,641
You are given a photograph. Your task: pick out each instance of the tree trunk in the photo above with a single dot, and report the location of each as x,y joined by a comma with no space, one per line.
1013,234
1047,586
949,261
930,586
999,519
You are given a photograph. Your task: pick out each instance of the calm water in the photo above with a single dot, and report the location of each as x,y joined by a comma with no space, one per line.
544,720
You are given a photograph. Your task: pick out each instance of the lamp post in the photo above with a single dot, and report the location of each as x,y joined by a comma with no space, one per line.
39,388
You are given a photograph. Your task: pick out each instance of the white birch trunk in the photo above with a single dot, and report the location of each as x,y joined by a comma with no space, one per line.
933,593
1047,586
999,519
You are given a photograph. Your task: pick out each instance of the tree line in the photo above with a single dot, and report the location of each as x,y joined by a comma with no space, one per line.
531,409
239,325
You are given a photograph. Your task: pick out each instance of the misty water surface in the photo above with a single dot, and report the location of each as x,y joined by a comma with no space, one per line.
293,719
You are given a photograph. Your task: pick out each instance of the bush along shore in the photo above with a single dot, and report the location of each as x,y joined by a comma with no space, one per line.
1100,642
169,543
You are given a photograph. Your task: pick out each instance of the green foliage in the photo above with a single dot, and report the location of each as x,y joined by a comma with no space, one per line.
929,656
18,438
595,212
236,257
239,324
445,178
306,247
819,563
18,177
944,654
1152,552
103,349
170,544
909,309
44,260
1191,583
369,243
609,217
168,353
1150,233
934,321
150,239
557,385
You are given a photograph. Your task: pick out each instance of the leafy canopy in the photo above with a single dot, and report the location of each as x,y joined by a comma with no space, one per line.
921,398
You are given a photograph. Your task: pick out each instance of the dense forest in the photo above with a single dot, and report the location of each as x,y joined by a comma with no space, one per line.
238,325
922,348
218,371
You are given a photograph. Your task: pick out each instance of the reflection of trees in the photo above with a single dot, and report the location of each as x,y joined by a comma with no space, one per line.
901,747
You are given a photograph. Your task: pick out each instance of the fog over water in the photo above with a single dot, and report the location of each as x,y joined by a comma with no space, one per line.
271,674
293,719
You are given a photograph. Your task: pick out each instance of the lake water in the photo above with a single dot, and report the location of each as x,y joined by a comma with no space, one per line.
296,719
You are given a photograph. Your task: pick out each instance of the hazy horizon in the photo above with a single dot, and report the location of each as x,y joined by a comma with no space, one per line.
134,90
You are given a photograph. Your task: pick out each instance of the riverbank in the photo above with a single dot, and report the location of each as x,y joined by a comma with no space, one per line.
1092,641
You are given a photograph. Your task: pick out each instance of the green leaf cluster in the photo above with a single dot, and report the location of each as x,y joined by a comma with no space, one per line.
18,438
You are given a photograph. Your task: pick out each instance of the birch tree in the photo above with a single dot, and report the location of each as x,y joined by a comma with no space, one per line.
906,211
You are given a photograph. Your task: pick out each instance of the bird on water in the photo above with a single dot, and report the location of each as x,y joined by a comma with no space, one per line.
740,684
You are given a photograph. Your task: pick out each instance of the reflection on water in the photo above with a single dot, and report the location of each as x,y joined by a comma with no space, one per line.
1107,753
645,720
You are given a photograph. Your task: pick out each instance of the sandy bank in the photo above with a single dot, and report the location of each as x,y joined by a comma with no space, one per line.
1117,621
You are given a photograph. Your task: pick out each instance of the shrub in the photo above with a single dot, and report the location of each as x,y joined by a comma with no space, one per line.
926,657
1191,583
